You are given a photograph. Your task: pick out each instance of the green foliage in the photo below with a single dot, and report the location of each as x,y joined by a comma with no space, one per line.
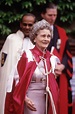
38,2
4,30
11,12
67,11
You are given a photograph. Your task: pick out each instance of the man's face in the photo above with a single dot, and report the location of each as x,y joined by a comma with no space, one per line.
50,15
26,24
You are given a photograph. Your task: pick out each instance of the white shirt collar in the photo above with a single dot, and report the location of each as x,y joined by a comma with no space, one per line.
52,27
20,34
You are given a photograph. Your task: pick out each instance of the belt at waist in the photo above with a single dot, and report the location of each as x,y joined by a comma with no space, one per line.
41,80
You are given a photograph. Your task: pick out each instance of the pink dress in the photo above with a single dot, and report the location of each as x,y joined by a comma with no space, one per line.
36,90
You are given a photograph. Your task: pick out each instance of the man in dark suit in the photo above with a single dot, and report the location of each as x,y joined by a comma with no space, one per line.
60,42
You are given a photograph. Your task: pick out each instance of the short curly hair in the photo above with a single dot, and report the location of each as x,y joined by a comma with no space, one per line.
40,25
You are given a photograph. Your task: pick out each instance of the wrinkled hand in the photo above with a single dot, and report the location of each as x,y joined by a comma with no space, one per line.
58,69
30,104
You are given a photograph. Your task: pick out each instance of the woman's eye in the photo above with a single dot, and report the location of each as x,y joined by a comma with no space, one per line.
48,36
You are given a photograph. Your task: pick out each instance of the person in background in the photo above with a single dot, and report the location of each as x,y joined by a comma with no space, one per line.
13,47
60,42
73,105
35,90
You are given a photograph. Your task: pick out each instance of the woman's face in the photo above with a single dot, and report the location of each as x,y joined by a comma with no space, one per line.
42,39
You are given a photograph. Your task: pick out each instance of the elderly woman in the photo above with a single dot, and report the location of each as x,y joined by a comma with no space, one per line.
36,90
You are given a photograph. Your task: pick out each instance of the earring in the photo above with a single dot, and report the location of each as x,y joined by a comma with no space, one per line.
34,41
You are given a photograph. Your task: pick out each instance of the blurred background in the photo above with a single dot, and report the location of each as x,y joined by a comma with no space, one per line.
11,12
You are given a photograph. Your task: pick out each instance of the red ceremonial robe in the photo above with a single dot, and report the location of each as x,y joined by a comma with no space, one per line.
64,85
74,106
26,70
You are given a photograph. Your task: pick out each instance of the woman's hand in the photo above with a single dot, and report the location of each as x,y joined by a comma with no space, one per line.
30,104
58,69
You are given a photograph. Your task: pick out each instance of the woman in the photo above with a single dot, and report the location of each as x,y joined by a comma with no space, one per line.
36,90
